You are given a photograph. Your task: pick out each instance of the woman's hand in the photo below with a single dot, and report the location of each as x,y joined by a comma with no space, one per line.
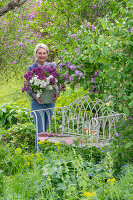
39,100
55,97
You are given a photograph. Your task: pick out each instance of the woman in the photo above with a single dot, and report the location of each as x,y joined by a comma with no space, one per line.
41,118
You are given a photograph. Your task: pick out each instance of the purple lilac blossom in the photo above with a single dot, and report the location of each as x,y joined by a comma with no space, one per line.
93,80
60,65
93,86
41,73
130,118
39,2
74,36
82,66
71,78
32,41
31,16
79,73
67,64
22,45
91,90
94,6
14,42
26,86
52,80
73,67
32,33
93,27
65,77
97,91
88,26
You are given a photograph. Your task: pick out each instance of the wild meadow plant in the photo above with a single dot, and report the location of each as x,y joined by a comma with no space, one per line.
65,175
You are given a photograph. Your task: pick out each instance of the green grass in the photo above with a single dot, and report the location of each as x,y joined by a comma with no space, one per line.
64,174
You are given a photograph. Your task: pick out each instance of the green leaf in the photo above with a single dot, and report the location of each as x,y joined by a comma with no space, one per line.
126,111
91,60
109,109
94,47
120,107
1,113
105,96
4,110
129,144
125,97
114,142
104,24
118,150
118,76
130,104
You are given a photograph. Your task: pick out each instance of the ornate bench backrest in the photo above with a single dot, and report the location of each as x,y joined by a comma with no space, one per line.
82,117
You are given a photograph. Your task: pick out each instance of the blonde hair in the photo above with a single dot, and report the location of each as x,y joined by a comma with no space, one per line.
41,46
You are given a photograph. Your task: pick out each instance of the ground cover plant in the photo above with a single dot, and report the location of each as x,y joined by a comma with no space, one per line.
60,171
94,38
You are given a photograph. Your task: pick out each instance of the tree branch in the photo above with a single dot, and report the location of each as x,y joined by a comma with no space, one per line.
11,5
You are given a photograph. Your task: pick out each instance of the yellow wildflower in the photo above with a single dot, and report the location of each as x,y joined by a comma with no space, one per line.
38,159
88,194
28,163
32,155
111,181
57,143
37,154
108,104
42,142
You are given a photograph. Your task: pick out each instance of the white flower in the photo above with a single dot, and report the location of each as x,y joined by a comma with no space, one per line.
49,87
56,87
56,81
35,78
50,77
31,81
39,91
43,84
35,83
47,81
38,95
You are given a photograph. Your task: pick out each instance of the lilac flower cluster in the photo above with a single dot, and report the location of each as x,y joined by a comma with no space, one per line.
22,45
94,84
72,71
74,36
42,74
73,67
31,16
27,86
91,26
79,73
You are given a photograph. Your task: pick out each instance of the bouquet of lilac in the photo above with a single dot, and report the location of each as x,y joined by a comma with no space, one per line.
41,79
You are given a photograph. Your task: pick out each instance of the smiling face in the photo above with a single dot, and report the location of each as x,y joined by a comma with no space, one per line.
41,56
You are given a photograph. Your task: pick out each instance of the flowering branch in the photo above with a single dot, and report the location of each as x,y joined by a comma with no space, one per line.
11,5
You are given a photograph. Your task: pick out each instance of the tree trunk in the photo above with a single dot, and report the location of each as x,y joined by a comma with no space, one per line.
11,5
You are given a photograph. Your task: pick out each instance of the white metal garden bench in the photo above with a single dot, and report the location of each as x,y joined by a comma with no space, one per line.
84,122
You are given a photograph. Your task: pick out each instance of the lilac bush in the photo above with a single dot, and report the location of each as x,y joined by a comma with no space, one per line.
43,78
